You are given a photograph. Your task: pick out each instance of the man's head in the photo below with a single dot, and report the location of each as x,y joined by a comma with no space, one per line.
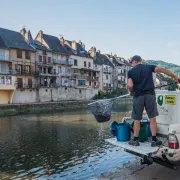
136,60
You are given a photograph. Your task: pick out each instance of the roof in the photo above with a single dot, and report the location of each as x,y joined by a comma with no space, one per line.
80,50
115,60
2,44
39,46
13,39
102,59
54,44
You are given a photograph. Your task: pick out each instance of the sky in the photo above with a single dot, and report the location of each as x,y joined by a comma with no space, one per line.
149,28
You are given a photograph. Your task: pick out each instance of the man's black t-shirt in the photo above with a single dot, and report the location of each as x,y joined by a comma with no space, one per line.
142,78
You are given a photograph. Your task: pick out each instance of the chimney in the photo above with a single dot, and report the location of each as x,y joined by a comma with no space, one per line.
99,51
81,44
40,33
62,40
92,52
23,31
28,36
74,45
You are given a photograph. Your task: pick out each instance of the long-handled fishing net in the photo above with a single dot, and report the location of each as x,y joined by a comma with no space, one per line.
102,109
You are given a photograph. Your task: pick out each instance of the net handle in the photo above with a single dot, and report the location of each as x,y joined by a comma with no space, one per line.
111,99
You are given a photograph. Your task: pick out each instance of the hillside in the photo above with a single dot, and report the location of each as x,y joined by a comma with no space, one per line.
172,67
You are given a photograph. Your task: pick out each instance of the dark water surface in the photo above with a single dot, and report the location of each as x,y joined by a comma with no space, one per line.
57,146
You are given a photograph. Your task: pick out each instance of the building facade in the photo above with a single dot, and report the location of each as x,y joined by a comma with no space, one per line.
60,61
83,73
18,59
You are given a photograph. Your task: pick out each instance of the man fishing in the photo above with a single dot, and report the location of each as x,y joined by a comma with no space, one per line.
141,87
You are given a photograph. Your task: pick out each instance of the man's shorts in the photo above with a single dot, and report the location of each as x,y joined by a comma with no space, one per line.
148,102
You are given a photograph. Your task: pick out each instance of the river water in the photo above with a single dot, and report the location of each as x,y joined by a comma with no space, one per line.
63,146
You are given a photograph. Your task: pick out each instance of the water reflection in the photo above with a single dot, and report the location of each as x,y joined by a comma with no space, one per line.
61,146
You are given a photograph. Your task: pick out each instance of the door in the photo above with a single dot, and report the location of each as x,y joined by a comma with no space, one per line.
30,83
20,82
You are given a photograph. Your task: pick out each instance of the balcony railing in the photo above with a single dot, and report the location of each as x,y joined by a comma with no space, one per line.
46,63
6,59
24,72
27,86
92,78
7,82
107,70
65,74
41,73
122,73
63,62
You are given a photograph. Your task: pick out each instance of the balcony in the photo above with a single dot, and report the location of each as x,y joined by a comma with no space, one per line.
13,72
27,86
45,63
92,78
26,73
63,62
107,70
122,73
52,74
65,74
7,82
121,81
6,59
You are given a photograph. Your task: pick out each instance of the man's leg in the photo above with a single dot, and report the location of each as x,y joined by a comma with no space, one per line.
136,129
138,107
151,109
153,126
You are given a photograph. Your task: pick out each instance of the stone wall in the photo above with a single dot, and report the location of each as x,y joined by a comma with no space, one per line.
52,94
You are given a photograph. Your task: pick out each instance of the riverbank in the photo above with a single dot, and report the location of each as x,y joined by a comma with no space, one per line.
45,107
135,171
30,108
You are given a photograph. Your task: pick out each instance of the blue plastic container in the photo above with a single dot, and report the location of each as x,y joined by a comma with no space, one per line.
113,128
123,132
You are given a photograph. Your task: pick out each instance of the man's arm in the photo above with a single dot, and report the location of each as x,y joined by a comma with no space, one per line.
130,86
167,72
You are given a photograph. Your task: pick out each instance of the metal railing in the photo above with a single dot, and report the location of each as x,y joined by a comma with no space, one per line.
63,62
6,59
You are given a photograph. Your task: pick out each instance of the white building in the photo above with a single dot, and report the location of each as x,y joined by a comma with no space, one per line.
83,72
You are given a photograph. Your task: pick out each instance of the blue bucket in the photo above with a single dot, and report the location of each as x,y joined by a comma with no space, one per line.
113,128
123,132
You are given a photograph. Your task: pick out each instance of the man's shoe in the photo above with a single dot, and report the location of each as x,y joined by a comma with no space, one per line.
133,143
156,143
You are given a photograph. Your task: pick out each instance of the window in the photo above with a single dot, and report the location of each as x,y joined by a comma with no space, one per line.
3,68
89,64
80,91
2,80
30,83
84,63
28,69
28,55
75,62
106,84
49,59
19,53
2,55
44,59
81,82
106,76
89,83
40,58
44,53
19,68
9,80
95,83
89,73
